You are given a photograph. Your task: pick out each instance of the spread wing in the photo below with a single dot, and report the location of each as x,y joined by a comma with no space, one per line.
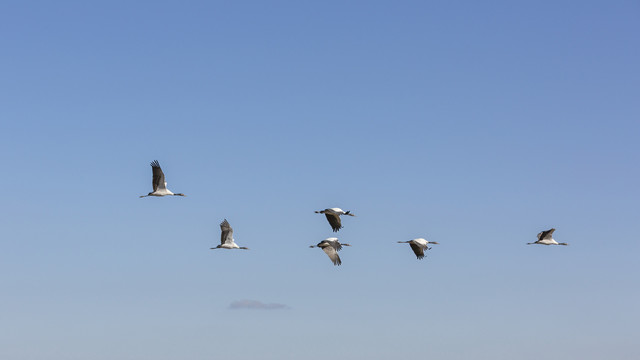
336,245
227,232
418,250
333,255
546,235
158,176
334,221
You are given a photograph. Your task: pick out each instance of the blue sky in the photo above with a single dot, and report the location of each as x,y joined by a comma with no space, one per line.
474,125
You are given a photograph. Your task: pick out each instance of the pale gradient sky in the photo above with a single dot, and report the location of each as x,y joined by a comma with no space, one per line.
476,125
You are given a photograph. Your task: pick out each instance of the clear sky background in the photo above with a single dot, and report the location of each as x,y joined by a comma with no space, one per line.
474,124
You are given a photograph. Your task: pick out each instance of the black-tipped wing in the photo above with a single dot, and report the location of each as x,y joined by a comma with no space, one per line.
227,232
546,235
418,250
158,176
333,255
334,221
336,245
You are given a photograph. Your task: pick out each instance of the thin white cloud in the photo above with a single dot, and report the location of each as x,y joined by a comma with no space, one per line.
255,304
